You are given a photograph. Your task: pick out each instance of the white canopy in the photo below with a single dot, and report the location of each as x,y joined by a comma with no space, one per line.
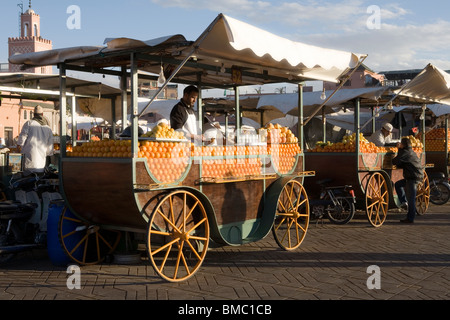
229,52
431,85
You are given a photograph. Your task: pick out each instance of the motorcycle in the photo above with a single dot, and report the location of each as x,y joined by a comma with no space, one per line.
439,188
23,220
336,203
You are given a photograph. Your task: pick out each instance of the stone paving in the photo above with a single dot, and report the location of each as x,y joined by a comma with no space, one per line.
333,263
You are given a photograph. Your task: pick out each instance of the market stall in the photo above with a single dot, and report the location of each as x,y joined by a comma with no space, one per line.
182,196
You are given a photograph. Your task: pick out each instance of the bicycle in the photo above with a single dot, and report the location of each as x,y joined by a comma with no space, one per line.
439,188
336,203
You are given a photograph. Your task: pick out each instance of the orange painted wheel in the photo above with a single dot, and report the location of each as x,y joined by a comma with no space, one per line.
423,195
178,236
377,199
292,216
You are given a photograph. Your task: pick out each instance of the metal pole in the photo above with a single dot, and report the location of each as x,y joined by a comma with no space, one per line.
324,125
446,145
114,118
200,104
357,123
300,123
74,124
123,87
237,113
373,121
134,106
62,109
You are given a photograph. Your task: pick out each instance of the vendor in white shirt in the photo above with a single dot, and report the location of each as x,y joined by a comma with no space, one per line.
383,136
36,142
182,116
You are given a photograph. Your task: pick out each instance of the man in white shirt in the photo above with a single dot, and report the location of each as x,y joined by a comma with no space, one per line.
383,136
182,116
36,142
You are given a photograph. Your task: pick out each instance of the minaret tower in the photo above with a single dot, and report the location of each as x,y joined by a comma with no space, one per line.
30,40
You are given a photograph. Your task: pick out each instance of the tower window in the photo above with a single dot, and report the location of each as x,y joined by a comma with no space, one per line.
26,30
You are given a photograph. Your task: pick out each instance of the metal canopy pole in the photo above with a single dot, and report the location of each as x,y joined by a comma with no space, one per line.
300,123
74,123
62,109
134,106
237,114
123,87
200,104
324,125
357,123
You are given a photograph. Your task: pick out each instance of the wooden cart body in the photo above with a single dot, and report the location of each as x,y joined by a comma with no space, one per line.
116,194
354,169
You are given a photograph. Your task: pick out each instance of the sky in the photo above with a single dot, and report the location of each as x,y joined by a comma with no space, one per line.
396,35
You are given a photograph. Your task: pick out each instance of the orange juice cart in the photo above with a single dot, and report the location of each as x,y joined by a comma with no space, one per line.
184,197
368,168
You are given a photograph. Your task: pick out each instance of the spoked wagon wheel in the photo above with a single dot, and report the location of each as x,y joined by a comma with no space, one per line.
85,244
377,199
292,216
423,195
178,236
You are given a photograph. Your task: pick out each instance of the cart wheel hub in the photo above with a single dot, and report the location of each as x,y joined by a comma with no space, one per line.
93,229
295,214
180,235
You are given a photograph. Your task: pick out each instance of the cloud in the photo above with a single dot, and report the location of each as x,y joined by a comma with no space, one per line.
397,44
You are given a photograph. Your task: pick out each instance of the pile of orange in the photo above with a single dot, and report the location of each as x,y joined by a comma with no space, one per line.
435,140
103,149
227,168
225,151
167,161
57,146
284,156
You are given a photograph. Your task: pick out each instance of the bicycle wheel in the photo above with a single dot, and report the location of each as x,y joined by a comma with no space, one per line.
439,193
343,213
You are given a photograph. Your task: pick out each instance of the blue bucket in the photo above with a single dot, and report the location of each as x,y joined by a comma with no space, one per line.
55,251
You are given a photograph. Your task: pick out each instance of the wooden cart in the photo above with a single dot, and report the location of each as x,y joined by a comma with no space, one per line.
371,174
193,197
183,217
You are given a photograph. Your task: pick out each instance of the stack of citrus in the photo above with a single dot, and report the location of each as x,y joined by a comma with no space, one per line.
227,168
163,131
348,144
279,134
284,156
167,161
416,144
103,149
435,140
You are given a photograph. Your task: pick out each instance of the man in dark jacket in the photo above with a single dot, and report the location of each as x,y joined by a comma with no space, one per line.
413,173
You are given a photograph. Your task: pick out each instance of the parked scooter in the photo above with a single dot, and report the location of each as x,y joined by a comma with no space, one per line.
439,188
23,220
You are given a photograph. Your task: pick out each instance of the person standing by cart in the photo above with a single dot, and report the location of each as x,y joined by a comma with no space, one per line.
413,173
36,142
182,116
